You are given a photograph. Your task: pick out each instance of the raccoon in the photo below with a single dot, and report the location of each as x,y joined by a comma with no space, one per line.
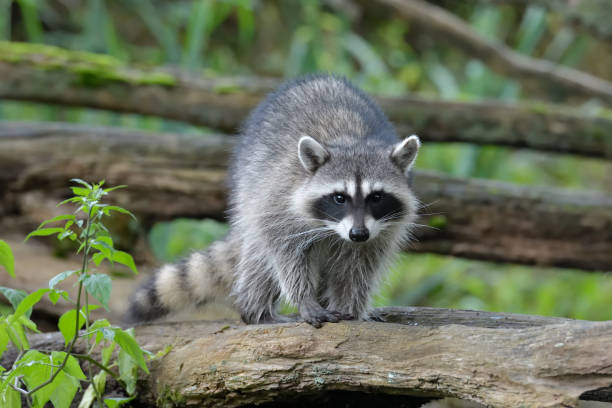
319,202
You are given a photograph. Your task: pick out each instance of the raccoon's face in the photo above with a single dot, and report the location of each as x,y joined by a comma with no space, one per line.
357,192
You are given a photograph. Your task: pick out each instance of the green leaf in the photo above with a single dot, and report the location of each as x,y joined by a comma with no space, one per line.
14,296
67,322
25,307
66,387
99,286
55,294
108,241
125,259
67,325
6,258
107,353
117,402
71,200
108,333
121,210
9,398
82,182
18,335
128,371
29,324
72,366
12,330
80,191
55,219
43,232
108,190
35,367
60,277
4,338
97,258
104,244
89,395
94,329
126,341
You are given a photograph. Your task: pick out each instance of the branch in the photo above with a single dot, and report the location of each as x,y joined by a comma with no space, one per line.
494,360
52,75
503,59
593,16
172,175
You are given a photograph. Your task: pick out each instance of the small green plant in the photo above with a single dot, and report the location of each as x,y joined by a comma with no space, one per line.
39,376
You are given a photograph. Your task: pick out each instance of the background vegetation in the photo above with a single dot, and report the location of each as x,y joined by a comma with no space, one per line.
382,53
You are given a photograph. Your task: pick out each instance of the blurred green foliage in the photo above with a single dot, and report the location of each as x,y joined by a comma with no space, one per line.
172,240
383,54
442,281
372,46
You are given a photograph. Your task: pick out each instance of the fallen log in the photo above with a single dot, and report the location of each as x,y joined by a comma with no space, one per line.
494,359
33,72
172,175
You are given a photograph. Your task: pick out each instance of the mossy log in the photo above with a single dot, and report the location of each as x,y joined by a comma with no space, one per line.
32,72
500,360
449,28
172,175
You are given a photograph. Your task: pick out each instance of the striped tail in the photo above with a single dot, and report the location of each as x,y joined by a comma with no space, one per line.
200,278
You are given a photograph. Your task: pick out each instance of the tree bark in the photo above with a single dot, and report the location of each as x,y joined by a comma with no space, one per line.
172,175
52,75
495,359
447,27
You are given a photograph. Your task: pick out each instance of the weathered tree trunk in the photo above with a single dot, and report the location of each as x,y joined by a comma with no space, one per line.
48,74
500,360
172,175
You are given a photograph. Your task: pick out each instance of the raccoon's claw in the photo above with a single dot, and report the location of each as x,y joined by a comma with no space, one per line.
342,316
374,316
316,316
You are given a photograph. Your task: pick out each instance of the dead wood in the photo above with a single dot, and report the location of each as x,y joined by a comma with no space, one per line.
495,359
52,75
171,175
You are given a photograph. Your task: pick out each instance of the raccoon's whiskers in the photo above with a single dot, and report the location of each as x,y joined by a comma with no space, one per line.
425,226
318,229
422,205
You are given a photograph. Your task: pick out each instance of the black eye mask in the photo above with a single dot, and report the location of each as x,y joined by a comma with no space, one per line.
336,206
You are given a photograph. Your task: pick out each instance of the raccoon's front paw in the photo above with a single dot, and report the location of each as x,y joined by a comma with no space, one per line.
316,315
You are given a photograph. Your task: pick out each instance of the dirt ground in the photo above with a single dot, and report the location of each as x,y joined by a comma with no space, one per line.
35,264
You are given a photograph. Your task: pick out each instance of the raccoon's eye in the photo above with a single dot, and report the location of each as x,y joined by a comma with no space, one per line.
376,197
339,198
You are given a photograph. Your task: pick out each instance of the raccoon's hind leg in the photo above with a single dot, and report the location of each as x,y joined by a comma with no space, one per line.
197,279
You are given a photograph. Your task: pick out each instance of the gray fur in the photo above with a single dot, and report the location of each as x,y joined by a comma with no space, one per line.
313,137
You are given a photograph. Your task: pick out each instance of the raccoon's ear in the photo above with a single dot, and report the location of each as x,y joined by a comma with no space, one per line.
311,153
405,152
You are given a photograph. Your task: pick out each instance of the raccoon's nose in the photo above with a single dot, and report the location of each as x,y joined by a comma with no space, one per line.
359,234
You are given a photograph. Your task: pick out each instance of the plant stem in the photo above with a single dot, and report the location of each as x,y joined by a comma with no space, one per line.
78,310
99,365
